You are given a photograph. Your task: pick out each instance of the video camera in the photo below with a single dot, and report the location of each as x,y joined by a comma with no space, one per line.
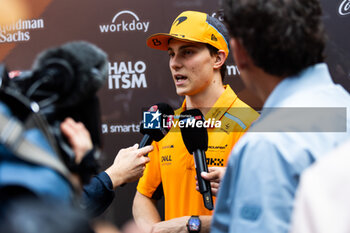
62,83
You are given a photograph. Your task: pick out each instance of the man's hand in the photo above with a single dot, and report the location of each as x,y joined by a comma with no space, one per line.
78,137
214,175
175,225
128,165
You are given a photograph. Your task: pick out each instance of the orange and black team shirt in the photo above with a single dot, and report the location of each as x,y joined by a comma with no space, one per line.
172,168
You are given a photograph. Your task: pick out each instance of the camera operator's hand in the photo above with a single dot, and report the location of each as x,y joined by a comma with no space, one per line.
78,137
214,175
128,165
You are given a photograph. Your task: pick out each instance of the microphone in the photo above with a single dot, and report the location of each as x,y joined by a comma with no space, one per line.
163,111
196,141
74,71
151,134
64,81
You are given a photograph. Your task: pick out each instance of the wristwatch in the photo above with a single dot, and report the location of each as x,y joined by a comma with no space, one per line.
194,224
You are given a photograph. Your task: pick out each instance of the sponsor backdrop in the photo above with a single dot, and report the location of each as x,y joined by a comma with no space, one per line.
138,76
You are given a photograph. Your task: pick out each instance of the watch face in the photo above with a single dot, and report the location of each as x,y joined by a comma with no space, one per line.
194,224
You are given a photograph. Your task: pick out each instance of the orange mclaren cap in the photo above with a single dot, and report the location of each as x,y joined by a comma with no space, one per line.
196,27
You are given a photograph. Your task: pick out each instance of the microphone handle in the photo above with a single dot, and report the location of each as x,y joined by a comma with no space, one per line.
204,185
145,141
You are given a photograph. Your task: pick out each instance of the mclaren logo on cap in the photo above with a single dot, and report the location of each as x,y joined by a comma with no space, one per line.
156,42
180,20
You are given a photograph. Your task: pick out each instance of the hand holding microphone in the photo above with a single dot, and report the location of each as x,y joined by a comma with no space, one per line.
156,134
214,176
150,135
196,141
128,165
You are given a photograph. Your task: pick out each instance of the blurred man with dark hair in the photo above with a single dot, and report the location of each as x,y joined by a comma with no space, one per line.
278,47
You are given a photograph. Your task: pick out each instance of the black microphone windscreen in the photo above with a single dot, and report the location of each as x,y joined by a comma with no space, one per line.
166,111
73,72
194,137
85,65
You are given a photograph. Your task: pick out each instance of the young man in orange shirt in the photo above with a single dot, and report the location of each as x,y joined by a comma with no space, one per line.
198,47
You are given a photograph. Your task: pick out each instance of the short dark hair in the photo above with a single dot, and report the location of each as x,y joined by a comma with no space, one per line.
282,36
213,51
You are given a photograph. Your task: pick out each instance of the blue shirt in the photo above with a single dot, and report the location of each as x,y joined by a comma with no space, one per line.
263,171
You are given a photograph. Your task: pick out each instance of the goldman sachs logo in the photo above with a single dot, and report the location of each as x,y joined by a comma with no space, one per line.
125,21
19,30
344,8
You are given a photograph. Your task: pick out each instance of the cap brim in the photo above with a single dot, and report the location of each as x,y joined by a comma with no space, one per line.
160,40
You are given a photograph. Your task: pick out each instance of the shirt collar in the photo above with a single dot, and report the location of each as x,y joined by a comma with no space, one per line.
316,75
224,102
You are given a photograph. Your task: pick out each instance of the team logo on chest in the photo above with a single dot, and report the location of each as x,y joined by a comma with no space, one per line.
215,162
166,158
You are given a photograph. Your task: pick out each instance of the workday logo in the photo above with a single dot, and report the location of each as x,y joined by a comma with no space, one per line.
121,23
151,120
344,8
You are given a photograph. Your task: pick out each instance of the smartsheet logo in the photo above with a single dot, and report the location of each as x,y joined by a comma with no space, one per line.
120,128
125,21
